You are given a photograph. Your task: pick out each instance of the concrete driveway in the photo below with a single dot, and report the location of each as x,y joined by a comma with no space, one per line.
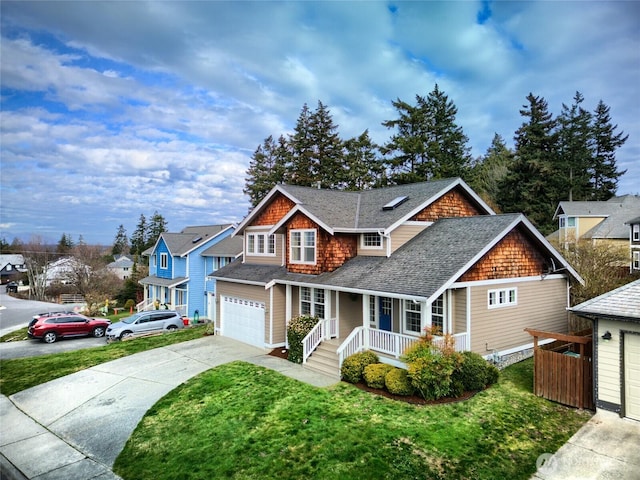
76,426
606,447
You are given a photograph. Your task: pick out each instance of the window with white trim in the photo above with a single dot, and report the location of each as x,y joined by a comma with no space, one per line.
302,246
437,315
164,260
372,311
312,302
571,221
261,244
636,260
412,317
155,260
502,298
636,232
371,241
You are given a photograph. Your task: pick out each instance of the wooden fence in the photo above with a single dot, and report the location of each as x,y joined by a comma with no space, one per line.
563,370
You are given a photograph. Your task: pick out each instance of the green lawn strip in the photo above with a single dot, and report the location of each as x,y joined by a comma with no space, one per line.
240,421
22,373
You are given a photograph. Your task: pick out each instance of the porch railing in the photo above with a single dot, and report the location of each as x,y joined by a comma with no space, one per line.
389,343
325,328
146,306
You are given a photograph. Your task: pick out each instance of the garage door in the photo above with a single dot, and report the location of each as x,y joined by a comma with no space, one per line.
243,320
632,376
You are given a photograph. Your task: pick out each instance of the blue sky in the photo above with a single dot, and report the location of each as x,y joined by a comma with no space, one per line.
113,109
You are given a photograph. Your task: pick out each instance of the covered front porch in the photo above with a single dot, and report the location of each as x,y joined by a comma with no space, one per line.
387,325
163,293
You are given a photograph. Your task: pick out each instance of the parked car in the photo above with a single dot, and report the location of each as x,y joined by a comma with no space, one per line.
12,287
145,322
53,325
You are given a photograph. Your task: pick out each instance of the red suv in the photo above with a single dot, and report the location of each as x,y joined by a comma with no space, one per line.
51,326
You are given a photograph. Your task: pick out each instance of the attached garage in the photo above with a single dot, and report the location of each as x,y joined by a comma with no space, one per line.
243,320
616,318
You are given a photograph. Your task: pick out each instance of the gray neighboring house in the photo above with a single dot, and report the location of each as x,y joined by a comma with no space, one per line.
12,266
634,245
616,333
121,266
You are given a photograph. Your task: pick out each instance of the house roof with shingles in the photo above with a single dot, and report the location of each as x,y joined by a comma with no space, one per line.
190,238
163,282
617,212
623,303
342,211
227,247
446,250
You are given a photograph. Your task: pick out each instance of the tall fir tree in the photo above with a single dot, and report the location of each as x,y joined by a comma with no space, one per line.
532,185
327,147
139,236
604,171
121,242
304,166
157,225
428,143
491,169
575,149
65,244
363,167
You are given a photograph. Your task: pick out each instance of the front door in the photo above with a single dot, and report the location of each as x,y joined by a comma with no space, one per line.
385,313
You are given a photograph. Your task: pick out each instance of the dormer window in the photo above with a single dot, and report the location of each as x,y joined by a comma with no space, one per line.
371,241
302,246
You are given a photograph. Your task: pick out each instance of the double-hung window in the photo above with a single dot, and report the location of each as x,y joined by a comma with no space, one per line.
261,244
164,260
412,317
371,241
503,297
302,245
312,302
636,260
437,316
636,232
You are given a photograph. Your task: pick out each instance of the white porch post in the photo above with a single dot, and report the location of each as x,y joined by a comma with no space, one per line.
287,313
365,310
468,318
448,324
327,313
337,314
425,315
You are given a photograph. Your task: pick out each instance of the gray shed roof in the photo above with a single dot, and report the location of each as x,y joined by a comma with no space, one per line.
227,247
623,303
361,211
421,268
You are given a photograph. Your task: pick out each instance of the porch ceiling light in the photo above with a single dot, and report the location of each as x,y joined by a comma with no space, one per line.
607,336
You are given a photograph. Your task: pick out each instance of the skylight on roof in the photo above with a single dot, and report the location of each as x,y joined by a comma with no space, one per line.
196,239
395,203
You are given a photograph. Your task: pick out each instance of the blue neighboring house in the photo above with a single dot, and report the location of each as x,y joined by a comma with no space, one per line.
178,271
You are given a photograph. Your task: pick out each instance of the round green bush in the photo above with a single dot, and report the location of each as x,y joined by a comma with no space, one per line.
397,382
475,373
375,373
353,365
129,304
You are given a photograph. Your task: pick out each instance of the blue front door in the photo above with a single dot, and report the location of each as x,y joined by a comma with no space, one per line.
384,304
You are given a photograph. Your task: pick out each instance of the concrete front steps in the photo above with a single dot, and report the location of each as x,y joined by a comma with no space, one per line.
324,359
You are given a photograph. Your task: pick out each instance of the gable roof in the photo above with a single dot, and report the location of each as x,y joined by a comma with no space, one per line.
121,262
345,211
13,259
446,250
227,247
617,210
623,303
190,238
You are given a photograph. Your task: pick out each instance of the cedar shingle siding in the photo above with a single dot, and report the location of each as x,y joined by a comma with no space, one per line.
277,209
514,256
451,204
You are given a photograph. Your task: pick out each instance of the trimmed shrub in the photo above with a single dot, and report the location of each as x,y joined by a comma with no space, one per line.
298,328
354,365
129,304
475,373
375,373
397,382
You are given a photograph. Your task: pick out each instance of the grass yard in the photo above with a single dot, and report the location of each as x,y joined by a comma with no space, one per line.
240,421
21,373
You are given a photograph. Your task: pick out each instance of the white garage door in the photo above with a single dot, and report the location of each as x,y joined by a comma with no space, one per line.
632,376
243,320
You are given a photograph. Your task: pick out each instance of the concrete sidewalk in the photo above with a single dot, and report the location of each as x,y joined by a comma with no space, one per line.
76,426
606,447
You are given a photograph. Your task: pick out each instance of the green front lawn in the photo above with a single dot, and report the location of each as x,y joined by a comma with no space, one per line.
21,373
241,421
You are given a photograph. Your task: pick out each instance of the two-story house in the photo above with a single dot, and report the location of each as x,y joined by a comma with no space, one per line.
178,270
121,266
378,266
634,244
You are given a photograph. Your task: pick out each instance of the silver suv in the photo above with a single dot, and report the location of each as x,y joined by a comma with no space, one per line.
145,322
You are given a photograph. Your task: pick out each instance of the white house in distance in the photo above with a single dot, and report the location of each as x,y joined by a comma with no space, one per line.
121,266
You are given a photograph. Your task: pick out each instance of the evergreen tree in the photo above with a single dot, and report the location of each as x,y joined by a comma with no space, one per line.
575,149
428,143
266,169
604,172
327,147
532,185
491,169
304,165
363,168
157,225
65,244
121,242
139,236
